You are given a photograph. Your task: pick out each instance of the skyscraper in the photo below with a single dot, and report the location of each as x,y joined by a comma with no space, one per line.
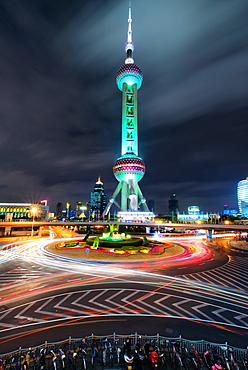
173,206
98,200
129,169
242,192
59,209
68,210
78,208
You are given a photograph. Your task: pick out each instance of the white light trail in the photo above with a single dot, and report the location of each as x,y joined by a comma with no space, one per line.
36,251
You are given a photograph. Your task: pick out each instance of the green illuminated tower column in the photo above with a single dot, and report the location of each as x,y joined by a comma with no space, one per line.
129,168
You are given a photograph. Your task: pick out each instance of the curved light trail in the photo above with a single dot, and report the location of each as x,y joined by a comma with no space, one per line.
215,298
37,252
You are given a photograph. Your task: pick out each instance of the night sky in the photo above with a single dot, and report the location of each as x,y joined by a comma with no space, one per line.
60,109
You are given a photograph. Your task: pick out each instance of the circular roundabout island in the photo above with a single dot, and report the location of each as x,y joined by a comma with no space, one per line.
163,255
114,242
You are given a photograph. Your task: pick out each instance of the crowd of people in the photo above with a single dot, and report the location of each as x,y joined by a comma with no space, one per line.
78,355
124,353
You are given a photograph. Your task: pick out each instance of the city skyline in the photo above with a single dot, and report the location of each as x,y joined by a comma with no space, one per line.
61,111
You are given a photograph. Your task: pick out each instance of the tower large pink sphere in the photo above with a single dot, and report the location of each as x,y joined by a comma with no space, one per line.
129,167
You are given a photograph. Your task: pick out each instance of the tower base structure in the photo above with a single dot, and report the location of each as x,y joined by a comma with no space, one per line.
128,170
131,198
135,216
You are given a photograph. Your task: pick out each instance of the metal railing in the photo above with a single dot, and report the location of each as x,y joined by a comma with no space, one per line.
71,344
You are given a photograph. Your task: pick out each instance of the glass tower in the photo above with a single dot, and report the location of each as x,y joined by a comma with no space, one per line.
173,206
98,200
242,192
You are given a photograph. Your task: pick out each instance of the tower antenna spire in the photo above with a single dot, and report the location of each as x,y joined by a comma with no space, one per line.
129,32
129,48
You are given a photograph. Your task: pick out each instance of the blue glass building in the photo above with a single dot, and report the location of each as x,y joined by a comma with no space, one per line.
242,193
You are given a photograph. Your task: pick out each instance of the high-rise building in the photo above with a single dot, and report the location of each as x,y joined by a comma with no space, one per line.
68,210
98,200
129,169
242,192
173,206
58,210
78,208
87,211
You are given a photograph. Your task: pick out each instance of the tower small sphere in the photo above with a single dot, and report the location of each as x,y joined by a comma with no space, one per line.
129,167
130,74
129,46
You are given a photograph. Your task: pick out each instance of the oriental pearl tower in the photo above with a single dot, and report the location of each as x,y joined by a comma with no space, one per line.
129,169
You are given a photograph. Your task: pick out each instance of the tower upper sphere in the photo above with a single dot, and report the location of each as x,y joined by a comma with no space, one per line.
129,72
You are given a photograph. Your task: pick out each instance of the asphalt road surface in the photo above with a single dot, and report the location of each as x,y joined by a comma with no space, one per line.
46,296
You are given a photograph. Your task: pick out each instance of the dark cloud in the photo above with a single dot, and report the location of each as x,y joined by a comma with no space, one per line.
60,110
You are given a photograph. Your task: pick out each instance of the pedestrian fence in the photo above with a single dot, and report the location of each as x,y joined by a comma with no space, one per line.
156,341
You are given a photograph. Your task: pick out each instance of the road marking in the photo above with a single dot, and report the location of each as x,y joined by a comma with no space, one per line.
217,313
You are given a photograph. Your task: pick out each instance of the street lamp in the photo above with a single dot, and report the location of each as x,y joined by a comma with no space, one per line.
34,211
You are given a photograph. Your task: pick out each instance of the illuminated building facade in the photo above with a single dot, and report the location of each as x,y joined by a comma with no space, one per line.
15,211
242,192
129,169
194,215
98,200
229,211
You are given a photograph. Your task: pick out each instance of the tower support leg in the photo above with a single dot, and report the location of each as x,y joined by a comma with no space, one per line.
142,199
112,199
133,197
124,204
